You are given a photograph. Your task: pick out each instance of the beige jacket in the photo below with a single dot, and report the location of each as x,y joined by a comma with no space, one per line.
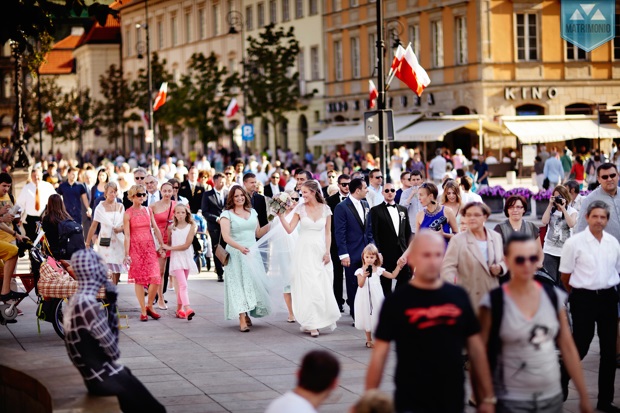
464,264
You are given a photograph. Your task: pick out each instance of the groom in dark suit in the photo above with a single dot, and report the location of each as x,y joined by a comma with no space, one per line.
259,203
353,233
391,231
213,202
343,192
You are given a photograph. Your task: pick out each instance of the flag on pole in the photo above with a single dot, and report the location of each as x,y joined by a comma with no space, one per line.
398,57
161,96
48,121
144,117
232,108
373,93
411,73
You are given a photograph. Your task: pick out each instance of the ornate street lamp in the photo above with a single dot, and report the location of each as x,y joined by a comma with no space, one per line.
149,75
236,26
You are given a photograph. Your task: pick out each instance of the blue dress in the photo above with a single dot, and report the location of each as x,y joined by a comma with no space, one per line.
244,277
436,221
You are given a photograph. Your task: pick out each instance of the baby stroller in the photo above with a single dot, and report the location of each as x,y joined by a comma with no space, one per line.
202,244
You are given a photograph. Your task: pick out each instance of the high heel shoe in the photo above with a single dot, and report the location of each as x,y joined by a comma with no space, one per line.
190,314
144,317
181,314
153,314
314,333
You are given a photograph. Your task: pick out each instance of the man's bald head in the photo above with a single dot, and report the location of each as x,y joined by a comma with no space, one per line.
426,255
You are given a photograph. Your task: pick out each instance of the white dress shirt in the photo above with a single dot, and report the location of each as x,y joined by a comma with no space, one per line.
393,211
376,198
275,189
26,198
290,402
593,265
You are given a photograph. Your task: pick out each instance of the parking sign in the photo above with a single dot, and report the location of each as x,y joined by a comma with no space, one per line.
588,24
247,132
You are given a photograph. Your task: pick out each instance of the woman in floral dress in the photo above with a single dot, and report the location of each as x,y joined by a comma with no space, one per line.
140,253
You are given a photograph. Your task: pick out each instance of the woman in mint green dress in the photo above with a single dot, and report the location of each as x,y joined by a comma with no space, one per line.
245,280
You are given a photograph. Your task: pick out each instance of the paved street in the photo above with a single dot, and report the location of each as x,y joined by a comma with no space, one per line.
207,365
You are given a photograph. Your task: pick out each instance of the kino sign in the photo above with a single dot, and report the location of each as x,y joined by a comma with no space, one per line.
588,24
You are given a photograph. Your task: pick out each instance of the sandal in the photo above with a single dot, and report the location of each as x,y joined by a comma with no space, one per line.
181,314
290,320
370,344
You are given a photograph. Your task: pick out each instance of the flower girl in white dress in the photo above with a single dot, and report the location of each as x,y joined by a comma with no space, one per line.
369,297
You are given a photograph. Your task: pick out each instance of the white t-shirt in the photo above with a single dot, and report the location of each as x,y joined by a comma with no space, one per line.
290,402
558,232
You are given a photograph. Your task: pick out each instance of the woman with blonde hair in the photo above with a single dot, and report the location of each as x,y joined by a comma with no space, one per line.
140,250
451,198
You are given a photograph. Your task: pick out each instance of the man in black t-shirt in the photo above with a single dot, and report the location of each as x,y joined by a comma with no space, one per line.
431,322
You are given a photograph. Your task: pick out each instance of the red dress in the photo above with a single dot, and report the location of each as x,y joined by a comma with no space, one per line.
162,220
144,268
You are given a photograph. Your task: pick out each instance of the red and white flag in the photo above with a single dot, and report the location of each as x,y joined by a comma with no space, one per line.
373,93
161,96
398,58
411,73
48,121
144,117
232,108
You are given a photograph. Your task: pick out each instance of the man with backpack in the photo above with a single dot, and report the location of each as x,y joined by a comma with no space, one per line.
523,322
589,267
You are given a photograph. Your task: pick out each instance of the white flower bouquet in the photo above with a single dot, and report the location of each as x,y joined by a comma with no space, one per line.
279,204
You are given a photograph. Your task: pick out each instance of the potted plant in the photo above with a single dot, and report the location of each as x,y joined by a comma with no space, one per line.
493,196
525,193
542,200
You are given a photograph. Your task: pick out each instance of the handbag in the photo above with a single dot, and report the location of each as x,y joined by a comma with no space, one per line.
221,253
105,242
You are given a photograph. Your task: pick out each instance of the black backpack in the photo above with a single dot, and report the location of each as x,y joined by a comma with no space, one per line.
70,239
494,346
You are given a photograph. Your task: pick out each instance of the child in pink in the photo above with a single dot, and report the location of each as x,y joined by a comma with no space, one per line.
182,262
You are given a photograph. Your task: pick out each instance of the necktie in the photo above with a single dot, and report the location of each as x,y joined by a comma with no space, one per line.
219,198
193,188
391,205
152,199
37,200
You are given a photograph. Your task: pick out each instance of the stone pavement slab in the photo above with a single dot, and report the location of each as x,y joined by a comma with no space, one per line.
207,365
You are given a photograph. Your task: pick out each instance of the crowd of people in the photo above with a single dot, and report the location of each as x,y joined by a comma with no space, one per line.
412,257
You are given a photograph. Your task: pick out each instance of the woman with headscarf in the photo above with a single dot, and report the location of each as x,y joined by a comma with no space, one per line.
91,338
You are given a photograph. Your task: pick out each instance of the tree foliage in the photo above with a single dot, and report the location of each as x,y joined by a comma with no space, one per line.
202,96
271,84
111,111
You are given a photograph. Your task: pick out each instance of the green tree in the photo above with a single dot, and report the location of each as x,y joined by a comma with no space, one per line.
271,83
202,96
111,111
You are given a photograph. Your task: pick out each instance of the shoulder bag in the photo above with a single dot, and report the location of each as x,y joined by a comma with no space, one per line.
221,253
105,242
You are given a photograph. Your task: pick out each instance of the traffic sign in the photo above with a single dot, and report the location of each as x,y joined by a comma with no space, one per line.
247,132
588,24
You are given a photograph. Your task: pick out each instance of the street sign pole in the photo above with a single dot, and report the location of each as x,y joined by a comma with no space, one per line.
381,90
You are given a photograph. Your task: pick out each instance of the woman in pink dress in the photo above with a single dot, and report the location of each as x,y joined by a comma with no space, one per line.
163,211
140,252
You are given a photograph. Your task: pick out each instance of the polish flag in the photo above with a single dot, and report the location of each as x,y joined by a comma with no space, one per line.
48,121
398,58
232,108
411,73
161,96
373,93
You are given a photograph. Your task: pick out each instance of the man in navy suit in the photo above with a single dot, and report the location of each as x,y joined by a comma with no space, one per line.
213,202
353,232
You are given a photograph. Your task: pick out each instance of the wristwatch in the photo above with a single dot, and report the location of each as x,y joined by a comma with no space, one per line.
490,400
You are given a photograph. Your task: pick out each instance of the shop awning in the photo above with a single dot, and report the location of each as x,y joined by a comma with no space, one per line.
546,130
337,134
430,130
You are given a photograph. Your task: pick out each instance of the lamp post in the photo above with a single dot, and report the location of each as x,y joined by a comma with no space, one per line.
235,19
381,87
149,75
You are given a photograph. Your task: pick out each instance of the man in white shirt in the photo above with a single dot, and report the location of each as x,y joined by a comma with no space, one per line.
33,201
152,193
467,195
376,187
437,167
316,379
410,200
589,266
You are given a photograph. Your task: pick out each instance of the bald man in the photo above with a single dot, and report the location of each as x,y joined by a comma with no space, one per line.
431,321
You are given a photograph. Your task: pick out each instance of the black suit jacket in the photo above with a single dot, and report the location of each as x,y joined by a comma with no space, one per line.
269,192
195,200
390,245
211,210
259,203
332,203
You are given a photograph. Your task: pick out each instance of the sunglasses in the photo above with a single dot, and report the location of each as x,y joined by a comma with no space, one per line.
331,176
139,178
228,173
295,198
275,177
610,176
140,194
389,190
175,187
345,184
520,260
378,177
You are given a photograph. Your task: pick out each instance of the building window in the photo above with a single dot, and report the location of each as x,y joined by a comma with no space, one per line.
249,18
229,7
574,54
372,52
617,39
314,60
530,110
460,26
338,59
272,12
313,7
301,64
437,42
355,57
216,19
129,44
188,27
527,37
286,13
299,9
260,11
353,3
414,38
232,66
160,34
202,24
336,5
174,30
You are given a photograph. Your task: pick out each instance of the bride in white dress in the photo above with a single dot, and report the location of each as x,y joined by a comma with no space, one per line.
314,303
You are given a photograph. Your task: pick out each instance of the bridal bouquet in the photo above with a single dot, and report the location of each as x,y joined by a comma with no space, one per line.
279,204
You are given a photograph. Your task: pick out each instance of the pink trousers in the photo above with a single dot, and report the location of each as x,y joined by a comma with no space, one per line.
182,296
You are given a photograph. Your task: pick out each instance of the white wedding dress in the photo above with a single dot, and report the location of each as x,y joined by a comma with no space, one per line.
314,303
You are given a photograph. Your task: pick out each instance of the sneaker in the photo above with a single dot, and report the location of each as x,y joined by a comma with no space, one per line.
13,295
